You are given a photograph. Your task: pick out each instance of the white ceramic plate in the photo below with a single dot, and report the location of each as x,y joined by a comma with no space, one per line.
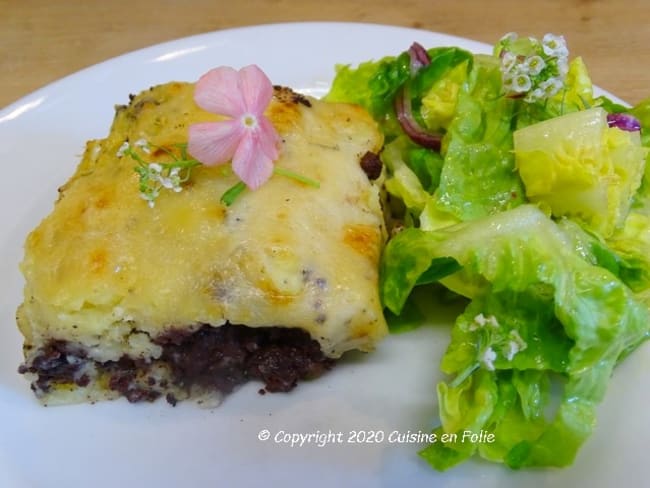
116,444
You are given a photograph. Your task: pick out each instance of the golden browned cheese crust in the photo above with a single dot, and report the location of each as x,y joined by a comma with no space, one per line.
107,272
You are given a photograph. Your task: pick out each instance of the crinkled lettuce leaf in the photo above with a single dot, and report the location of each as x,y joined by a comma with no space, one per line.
626,254
555,294
374,84
439,102
579,167
632,246
404,179
642,112
540,312
460,95
641,201
478,177
412,176
413,172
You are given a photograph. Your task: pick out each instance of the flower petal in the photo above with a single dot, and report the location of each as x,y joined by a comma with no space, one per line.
256,88
250,163
268,138
214,143
218,92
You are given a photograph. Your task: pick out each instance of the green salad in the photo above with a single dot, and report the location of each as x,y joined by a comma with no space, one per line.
513,187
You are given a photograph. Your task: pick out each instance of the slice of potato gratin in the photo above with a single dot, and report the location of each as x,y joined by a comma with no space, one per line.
190,297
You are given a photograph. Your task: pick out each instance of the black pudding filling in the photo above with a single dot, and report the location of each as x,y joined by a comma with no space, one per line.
211,358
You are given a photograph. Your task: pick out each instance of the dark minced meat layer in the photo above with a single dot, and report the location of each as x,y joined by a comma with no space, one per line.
212,358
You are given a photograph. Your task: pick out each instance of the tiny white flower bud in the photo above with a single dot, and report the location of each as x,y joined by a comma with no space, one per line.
143,145
492,321
120,152
534,65
488,358
554,46
521,83
508,61
509,37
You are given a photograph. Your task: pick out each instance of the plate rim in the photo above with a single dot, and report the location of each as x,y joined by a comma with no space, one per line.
196,38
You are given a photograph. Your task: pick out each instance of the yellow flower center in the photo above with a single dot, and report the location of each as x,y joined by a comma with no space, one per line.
249,121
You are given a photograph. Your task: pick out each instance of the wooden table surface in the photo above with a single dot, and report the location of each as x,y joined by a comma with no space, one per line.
43,40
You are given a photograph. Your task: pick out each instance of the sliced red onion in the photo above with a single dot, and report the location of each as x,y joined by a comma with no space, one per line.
411,127
624,122
419,57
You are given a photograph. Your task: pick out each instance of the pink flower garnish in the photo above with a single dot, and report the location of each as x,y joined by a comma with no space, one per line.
247,138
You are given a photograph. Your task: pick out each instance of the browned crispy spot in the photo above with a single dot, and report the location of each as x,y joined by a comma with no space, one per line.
287,95
364,239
